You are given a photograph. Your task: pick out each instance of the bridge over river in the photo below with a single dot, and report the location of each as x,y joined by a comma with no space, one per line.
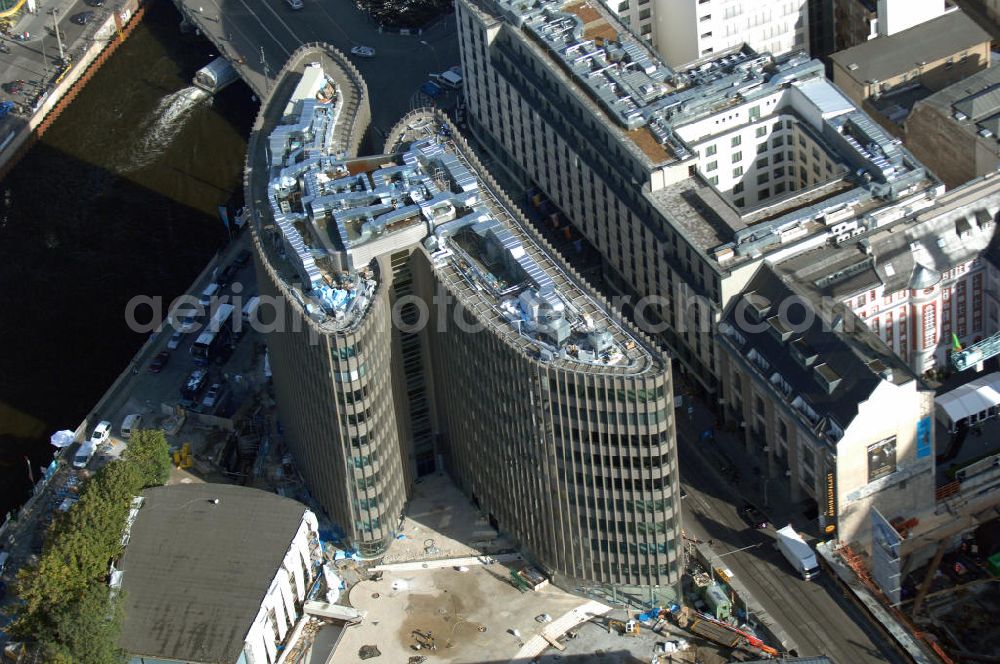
258,35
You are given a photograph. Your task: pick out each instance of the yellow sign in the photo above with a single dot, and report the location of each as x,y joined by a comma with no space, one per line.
830,528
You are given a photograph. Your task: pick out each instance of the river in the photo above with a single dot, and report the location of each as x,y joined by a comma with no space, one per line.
119,198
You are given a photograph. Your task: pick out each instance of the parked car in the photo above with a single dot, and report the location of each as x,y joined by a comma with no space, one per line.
243,258
101,434
295,4
160,361
175,340
430,89
14,87
753,516
83,18
183,320
212,396
363,51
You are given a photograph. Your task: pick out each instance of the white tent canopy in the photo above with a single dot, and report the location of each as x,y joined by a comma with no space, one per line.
976,400
63,438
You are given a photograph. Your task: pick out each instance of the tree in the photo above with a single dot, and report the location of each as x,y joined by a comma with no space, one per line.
86,631
148,449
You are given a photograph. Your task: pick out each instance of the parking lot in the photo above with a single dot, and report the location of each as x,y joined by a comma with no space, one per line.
157,388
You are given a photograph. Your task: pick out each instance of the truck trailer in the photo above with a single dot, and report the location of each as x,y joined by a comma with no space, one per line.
797,552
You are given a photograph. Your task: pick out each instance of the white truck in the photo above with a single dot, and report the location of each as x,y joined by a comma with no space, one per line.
797,552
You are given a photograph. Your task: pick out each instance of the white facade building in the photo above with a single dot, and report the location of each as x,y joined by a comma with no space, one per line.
686,30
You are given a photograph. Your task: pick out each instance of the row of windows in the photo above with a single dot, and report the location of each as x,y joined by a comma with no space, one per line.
603,438
614,461
604,546
620,484
606,526
604,417
602,394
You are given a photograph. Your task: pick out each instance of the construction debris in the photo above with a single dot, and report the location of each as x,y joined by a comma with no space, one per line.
368,652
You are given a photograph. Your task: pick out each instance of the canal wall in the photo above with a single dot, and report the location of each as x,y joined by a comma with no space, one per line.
69,81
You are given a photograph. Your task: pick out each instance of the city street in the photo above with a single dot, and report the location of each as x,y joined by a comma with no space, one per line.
36,58
264,32
816,614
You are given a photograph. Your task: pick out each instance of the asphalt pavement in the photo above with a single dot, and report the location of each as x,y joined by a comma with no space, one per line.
263,33
818,615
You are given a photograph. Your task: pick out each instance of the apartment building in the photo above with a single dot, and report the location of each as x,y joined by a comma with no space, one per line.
858,21
684,180
828,407
426,328
686,30
920,284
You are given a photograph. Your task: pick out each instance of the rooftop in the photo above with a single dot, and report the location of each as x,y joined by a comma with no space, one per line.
912,253
887,57
655,112
482,250
972,103
195,572
823,363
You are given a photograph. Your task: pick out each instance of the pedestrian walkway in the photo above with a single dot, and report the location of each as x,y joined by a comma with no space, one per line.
447,562
537,644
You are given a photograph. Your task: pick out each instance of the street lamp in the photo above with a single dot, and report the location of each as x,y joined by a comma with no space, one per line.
426,43
729,553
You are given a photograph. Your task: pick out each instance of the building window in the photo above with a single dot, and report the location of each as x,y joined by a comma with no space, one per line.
738,188
738,202
762,148
710,150
646,29
736,141
738,171
714,180
737,157
763,177
754,113
711,166
779,188
764,193
762,162
644,14
706,35
761,132
623,6
705,18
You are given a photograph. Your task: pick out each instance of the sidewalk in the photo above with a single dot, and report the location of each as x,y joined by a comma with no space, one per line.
744,473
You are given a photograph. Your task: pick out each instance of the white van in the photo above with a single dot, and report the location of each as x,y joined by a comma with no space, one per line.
130,424
84,454
449,79
250,309
210,291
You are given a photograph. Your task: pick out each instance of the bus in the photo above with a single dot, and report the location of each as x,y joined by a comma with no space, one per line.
218,333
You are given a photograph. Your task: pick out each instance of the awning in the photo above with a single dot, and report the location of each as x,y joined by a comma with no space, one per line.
63,438
972,398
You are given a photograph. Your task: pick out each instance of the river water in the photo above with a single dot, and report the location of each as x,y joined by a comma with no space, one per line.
119,198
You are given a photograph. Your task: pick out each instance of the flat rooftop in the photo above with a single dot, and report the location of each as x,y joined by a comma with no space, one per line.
656,114
887,57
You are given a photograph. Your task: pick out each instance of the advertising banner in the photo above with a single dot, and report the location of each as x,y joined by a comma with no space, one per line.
881,458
